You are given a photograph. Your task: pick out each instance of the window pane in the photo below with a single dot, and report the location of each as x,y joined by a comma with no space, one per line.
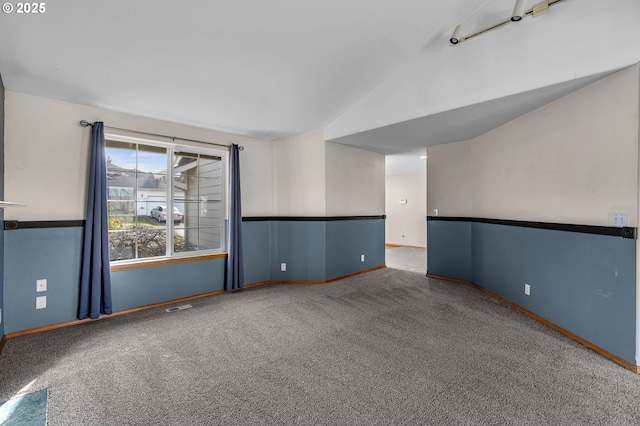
211,238
152,241
122,244
141,215
181,244
200,185
120,156
152,159
136,182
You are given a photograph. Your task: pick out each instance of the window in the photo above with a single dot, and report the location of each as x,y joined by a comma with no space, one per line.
164,200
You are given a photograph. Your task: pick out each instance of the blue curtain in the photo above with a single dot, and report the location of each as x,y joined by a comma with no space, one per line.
235,273
95,284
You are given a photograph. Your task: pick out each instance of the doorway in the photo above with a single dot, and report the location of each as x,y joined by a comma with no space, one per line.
406,210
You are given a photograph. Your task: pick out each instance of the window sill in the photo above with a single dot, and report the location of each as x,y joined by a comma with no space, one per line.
165,261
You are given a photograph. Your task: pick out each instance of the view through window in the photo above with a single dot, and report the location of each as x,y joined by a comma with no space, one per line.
164,200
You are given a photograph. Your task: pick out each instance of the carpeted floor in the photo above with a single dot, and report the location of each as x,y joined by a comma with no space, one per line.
407,258
387,347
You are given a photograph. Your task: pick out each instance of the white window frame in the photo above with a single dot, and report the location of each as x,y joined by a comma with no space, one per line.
171,147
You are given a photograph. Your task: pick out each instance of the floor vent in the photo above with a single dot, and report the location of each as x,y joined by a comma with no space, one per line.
178,308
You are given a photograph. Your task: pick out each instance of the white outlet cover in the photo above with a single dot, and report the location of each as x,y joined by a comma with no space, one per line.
527,289
283,267
362,258
41,285
41,302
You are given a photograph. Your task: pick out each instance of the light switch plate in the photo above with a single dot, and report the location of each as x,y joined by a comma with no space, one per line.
619,219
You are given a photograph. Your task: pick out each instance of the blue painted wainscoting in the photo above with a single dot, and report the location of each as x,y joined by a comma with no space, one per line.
55,254
315,249
347,240
583,282
256,247
155,284
301,245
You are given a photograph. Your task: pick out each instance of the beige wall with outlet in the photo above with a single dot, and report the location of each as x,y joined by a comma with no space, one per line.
355,181
572,161
406,223
449,179
47,152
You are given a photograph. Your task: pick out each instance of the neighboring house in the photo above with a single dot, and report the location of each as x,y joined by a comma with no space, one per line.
152,191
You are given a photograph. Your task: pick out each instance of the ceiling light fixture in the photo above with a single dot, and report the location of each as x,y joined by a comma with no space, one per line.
456,37
519,12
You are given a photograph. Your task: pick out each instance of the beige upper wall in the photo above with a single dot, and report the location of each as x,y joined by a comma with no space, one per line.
47,151
256,178
355,181
46,156
449,179
572,161
406,223
299,175
317,178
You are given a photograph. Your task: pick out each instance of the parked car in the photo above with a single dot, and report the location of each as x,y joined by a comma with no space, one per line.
160,214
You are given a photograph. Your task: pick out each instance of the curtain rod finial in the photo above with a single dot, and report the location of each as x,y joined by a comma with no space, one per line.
85,123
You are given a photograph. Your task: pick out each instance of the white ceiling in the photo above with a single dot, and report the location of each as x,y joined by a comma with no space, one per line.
378,74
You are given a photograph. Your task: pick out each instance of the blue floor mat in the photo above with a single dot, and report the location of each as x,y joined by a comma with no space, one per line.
25,410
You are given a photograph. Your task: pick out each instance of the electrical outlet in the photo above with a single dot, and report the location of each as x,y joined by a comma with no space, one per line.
41,302
362,258
41,285
527,289
283,267
435,212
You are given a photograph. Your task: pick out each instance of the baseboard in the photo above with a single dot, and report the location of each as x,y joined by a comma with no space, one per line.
258,284
115,314
595,348
342,277
168,302
2,342
394,245
356,273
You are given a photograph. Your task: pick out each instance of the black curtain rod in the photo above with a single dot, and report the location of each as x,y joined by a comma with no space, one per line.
85,123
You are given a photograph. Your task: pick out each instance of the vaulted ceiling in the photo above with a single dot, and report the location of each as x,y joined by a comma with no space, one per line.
377,74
